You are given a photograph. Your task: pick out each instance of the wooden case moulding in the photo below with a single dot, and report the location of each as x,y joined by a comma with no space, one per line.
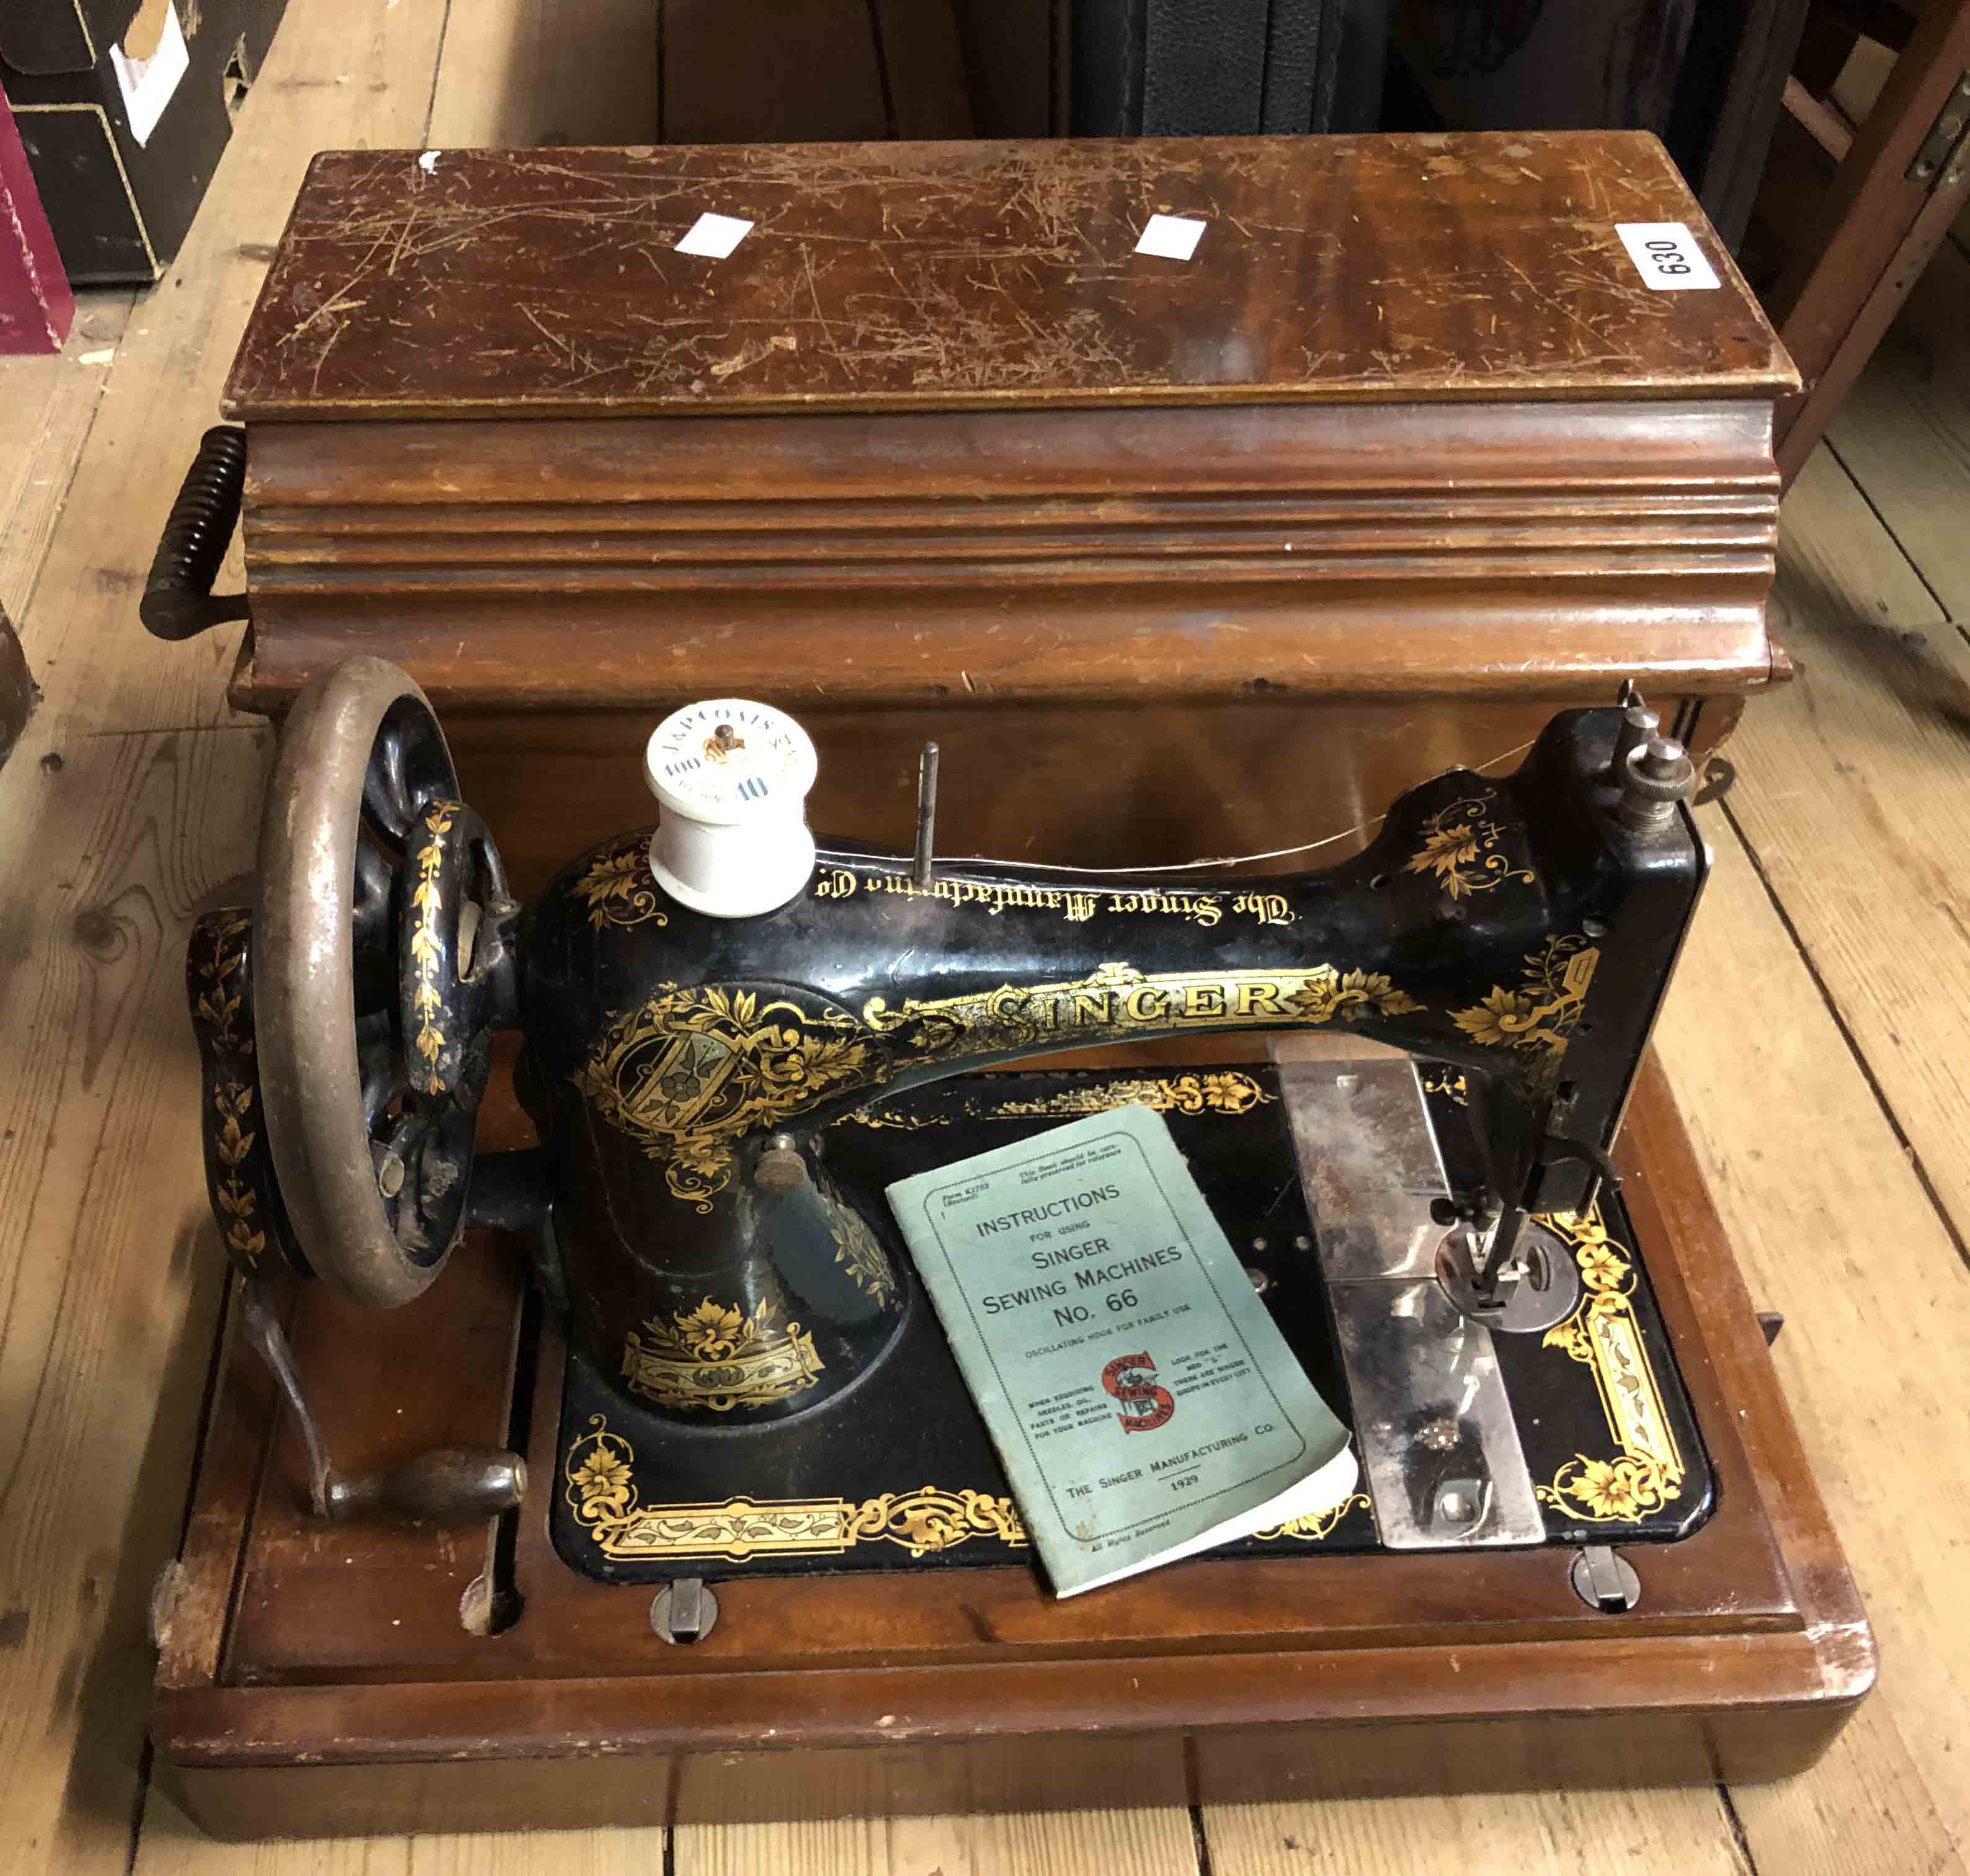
1308,551
1408,440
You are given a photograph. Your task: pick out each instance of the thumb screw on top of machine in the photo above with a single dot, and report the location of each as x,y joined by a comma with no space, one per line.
1654,776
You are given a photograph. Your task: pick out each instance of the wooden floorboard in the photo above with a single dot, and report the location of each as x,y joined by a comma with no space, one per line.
46,409
515,74
110,1266
171,1846
116,822
1852,799
357,72
1904,435
1545,1835
1814,1038
1833,1229
1154,1840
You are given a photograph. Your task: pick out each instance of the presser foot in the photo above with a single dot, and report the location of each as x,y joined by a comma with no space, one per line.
1539,1287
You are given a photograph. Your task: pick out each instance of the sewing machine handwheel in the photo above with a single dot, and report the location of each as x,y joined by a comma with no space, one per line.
382,957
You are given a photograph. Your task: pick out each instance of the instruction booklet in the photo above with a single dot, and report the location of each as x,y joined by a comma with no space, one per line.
1142,1402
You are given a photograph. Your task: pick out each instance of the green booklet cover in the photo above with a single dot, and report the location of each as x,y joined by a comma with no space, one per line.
1143,1403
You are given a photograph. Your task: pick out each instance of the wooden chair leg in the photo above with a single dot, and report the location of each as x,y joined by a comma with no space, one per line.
1882,220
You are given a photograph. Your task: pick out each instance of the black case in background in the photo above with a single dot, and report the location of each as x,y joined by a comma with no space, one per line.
119,209
1180,68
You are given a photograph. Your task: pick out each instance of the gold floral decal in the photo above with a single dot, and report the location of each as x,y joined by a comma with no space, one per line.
903,1123
714,1357
429,1043
601,1490
618,887
1461,846
1448,1083
928,1520
234,1100
1231,1092
865,1260
599,1486
1646,1472
1535,1020
1315,1525
688,1072
214,1004
218,1005
1327,993
1610,1491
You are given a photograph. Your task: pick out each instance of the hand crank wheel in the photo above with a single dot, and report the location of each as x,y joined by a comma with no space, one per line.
382,954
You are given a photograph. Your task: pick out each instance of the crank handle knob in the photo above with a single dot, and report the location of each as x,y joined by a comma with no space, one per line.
448,1485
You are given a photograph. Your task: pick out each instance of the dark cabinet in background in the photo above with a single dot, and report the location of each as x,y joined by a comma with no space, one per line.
1180,68
1706,76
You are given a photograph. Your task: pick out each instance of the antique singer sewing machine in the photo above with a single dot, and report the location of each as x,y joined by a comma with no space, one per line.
730,1040
698,1005
651,1492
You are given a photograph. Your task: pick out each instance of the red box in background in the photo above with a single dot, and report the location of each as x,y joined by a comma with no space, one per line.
36,307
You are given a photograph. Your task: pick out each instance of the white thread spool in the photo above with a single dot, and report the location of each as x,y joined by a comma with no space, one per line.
731,779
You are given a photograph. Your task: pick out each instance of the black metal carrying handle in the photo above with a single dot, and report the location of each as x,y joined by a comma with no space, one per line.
177,601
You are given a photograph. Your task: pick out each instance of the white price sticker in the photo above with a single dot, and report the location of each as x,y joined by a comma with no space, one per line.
714,235
1666,256
1171,237
148,83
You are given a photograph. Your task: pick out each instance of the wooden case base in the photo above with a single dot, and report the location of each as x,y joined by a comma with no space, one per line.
322,1681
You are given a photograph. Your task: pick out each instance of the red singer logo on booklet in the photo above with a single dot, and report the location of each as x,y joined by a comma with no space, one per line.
1144,1406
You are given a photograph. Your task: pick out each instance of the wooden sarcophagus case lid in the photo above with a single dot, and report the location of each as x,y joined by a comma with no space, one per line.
1173,557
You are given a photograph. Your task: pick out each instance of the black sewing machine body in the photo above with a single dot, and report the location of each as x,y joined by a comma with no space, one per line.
753,1379
666,1048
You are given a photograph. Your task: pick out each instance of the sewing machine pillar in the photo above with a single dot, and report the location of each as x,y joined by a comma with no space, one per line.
766,1299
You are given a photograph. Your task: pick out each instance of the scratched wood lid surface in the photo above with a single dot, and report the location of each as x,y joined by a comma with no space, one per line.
473,283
